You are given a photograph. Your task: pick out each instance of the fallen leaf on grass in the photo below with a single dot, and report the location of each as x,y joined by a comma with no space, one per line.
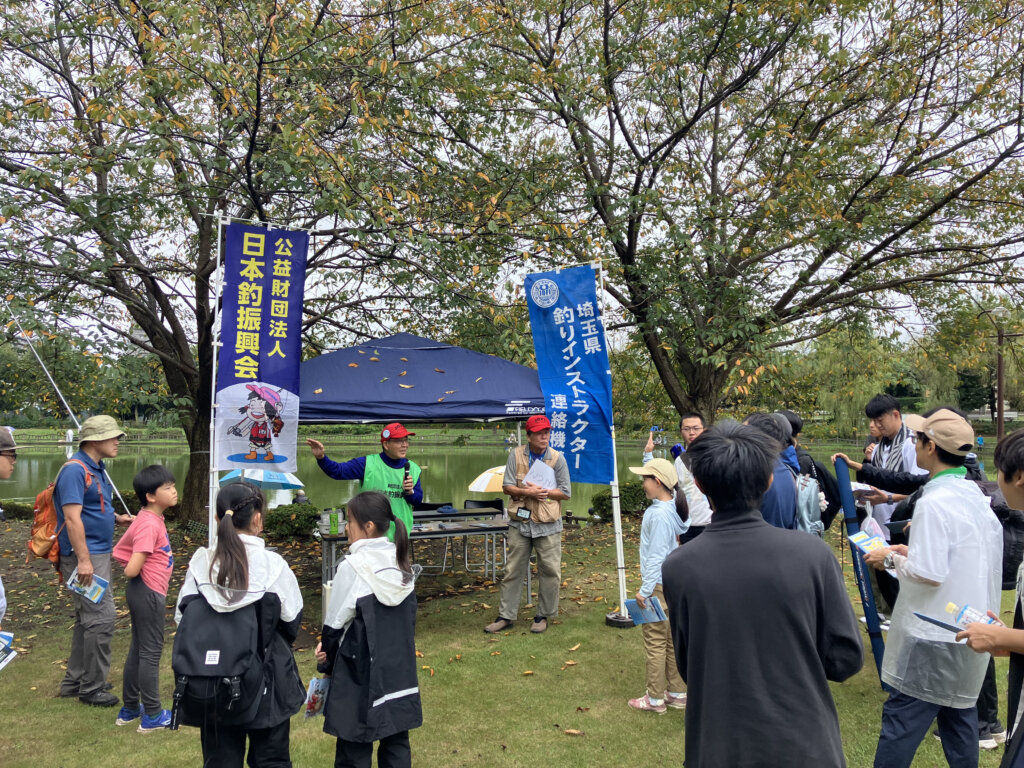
527,673
570,663
495,653
572,732
575,647
419,654
582,709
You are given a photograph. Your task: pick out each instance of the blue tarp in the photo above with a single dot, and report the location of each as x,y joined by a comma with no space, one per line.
409,378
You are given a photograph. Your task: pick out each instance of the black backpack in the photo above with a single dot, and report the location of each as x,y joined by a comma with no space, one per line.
218,663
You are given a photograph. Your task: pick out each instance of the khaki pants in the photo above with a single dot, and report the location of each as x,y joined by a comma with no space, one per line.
549,572
662,672
89,661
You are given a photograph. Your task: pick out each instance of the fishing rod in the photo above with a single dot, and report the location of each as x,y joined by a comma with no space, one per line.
71,413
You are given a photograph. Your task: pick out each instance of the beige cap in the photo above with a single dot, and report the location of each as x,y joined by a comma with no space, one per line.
97,428
946,429
661,469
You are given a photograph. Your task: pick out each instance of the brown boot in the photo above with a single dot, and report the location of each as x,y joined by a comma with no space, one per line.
269,456
250,456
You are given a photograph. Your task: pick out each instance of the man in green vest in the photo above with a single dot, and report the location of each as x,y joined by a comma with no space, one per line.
534,523
391,472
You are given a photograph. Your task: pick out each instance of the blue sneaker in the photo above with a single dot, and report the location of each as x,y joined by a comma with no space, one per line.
126,715
157,722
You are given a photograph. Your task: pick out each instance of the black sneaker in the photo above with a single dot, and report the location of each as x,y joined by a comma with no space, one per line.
100,699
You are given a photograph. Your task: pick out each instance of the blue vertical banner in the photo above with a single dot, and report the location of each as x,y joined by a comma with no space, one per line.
261,348
572,362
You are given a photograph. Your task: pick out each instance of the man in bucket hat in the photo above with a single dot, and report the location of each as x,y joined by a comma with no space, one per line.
954,556
85,520
391,472
535,523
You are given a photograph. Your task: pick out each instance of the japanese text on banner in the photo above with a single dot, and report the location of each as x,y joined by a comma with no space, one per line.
572,362
261,335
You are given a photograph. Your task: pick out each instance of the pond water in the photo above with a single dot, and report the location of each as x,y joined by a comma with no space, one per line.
447,471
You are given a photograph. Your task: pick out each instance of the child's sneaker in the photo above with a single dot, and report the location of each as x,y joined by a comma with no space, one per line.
676,702
126,715
644,704
157,722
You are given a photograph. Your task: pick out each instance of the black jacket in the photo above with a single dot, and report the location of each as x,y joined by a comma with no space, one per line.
284,694
374,689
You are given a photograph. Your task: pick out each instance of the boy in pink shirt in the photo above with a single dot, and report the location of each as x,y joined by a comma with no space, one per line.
145,553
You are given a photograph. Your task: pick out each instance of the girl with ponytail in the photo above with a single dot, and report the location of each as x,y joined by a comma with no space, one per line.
236,573
374,693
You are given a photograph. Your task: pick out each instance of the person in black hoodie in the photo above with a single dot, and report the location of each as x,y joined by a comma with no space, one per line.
238,572
368,641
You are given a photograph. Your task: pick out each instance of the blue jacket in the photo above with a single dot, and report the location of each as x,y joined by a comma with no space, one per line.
778,507
356,468
659,535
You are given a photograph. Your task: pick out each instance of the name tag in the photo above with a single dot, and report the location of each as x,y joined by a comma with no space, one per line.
523,513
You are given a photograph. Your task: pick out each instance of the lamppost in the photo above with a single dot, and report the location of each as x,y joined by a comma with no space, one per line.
997,315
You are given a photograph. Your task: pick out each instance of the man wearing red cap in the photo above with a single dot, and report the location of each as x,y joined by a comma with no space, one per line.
535,523
389,472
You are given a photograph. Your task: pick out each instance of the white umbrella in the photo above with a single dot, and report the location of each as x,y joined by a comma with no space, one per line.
489,481
267,479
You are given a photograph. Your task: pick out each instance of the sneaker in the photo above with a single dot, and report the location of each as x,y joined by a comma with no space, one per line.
498,625
100,699
540,624
987,742
126,715
644,704
676,702
157,722
998,736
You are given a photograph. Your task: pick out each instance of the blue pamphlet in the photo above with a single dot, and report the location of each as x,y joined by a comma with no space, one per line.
94,592
652,613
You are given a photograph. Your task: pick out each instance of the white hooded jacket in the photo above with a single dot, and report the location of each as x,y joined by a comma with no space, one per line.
268,572
371,567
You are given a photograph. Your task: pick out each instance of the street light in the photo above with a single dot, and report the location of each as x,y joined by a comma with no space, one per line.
998,314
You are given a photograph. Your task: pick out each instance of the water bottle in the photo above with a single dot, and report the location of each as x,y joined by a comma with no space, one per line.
965,615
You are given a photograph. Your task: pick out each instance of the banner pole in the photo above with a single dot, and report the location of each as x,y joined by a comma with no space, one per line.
218,286
620,617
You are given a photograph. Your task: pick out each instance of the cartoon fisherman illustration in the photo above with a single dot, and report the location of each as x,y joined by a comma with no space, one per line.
262,419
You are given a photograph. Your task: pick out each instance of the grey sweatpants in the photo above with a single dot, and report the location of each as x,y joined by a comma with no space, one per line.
89,662
148,609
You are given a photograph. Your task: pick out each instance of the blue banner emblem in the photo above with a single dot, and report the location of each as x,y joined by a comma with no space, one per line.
572,362
261,336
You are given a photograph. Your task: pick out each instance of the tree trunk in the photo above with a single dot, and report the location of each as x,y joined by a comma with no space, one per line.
195,491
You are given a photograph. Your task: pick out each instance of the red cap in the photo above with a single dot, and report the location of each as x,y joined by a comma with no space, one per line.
537,423
394,431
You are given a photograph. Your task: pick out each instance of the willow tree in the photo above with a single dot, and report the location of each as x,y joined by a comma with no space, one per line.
753,174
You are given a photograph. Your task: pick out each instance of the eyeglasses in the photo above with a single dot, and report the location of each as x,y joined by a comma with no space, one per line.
691,429
399,440
12,455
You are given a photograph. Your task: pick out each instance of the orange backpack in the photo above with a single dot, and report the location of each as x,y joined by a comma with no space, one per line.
44,521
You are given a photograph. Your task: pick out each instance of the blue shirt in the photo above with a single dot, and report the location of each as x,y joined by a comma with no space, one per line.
97,519
356,469
778,507
659,535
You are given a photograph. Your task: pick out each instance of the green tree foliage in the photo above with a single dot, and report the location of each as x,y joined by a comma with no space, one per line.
754,175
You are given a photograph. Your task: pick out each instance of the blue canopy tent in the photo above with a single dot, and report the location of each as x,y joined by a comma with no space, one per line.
409,378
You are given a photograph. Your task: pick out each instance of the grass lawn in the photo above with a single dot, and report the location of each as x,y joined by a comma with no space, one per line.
557,699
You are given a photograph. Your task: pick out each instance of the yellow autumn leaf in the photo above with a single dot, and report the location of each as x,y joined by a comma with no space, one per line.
527,673
407,386
478,379
374,359
576,647
572,732
439,370
353,365
403,373
404,359
317,391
